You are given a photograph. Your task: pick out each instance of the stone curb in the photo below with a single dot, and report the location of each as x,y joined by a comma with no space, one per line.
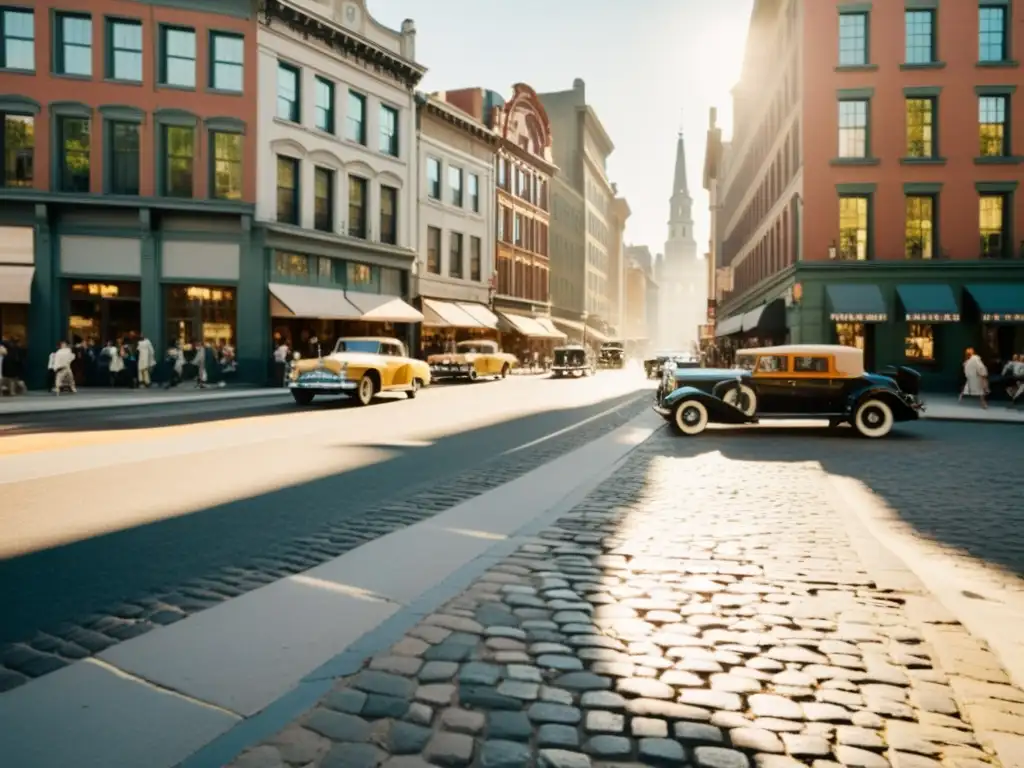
130,403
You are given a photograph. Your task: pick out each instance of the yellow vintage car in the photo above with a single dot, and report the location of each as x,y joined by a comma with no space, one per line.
359,367
472,360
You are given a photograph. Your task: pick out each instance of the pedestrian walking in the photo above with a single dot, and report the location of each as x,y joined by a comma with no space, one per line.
280,362
199,361
113,353
62,376
146,361
976,375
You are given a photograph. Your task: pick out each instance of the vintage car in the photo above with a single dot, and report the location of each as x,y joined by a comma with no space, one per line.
654,366
472,360
799,381
612,355
573,360
359,367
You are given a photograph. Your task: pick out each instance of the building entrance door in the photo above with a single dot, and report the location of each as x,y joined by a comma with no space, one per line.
104,312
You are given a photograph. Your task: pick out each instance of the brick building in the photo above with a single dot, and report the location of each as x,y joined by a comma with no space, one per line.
869,195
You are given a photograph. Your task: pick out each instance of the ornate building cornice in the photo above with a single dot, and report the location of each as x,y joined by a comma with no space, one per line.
460,120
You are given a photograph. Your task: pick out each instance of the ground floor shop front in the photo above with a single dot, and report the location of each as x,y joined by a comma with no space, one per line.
921,314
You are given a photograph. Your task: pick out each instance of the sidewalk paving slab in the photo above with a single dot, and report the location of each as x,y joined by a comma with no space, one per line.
47,402
949,408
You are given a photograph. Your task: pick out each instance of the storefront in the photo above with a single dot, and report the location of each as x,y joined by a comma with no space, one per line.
200,313
528,338
101,312
446,323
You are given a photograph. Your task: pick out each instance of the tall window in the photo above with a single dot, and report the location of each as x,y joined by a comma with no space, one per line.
853,128
919,238
851,335
389,130
178,60
434,250
323,199
920,36
227,166
992,33
992,226
853,39
358,203
920,127
992,126
74,44
228,62
455,185
288,92
124,158
474,193
355,120
853,228
475,253
74,149
388,215
433,178
287,190
180,145
18,40
124,61
324,108
517,229
455,255
919,343
502,173
19,139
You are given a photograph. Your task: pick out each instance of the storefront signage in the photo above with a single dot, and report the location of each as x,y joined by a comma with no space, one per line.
855,317
933,317
97,289
1009,317
199,293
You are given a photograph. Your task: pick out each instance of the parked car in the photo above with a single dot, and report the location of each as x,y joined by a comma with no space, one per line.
799,381
359,367
654,366
472,360
612,355
573,360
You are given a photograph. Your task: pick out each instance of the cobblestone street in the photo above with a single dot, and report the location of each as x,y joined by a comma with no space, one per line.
693,610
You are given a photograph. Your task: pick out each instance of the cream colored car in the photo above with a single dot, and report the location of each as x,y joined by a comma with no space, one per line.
359,367
472,360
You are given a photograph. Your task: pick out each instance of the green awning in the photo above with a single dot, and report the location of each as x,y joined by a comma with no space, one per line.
928,303
729,326
999,302
856,303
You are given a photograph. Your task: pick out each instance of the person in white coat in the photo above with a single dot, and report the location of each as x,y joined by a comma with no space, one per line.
147,361
976,375
62,360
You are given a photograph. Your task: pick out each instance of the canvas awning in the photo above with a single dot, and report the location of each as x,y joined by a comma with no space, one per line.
480,313
382,308
596,335
729,326
16,284
767,318
928,303
445,314
999,302
572,325
527,326
549,326
311,302
856,303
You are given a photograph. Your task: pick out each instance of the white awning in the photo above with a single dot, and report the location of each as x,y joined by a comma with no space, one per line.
481,314
554,333
729,326
381,308
445,314
596,335
310,302
572,325
16,284
525,325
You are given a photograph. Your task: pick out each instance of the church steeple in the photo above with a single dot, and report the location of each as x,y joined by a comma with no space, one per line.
679,184
680,219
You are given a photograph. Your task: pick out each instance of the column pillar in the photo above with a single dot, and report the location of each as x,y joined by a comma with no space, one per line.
45,309
152,300
252,345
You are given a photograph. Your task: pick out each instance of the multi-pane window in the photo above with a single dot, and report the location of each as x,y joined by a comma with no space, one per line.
474,193
180,145
19,139
433,178
323,199
124,158
18,40
74,44
851,335
919,343
74,134
125,58
388,130
355,118
227,165
517,229
358,205
324,106
853,39
920,36
502,173
178,57
992,33
434,250
227,53
992,126
853,128
919,227
853,228
455,255
455,185
920,127
992,226
287,190
475,253
288,92
388,215
359,277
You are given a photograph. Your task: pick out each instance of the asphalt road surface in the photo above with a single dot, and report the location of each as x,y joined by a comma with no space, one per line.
119,521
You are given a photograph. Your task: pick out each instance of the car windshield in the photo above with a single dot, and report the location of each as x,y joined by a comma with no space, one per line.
569,356
746,362
613,345
466,347
357,345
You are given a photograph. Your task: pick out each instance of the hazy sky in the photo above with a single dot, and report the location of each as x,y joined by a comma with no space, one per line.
648,72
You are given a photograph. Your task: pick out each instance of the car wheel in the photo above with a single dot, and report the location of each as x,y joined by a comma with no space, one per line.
411,393
504,371
472,374
366,391
690,417
742,398
302,396
873,418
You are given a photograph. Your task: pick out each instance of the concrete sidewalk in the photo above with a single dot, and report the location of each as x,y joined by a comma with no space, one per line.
84,400
949,408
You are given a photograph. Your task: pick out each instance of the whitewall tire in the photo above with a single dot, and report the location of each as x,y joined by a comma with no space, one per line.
366,391
413,390
742,398
873,418
690,417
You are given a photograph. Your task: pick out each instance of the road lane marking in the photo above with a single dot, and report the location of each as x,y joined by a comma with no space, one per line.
571,427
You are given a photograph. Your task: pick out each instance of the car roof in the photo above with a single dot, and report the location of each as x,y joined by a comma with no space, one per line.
370,338
572,346
849,360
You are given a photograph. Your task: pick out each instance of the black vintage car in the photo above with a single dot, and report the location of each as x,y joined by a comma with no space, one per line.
612,355
573,360
655,366
799,381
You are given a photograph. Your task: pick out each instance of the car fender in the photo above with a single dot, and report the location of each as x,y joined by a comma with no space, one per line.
901,410
718,410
